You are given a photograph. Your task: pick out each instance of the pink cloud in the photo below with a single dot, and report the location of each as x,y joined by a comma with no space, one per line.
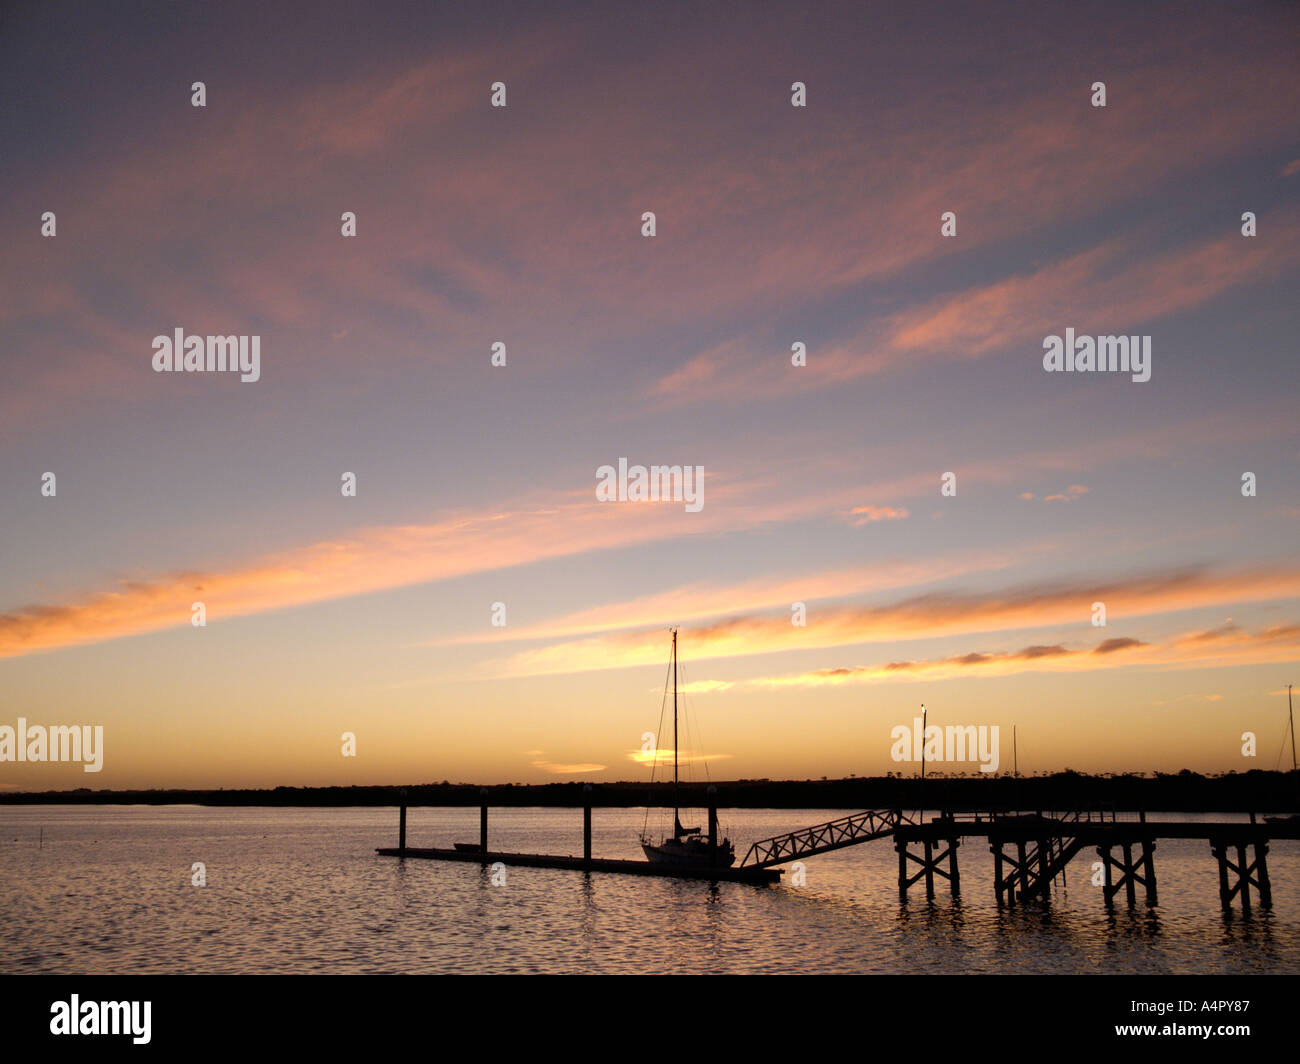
865,515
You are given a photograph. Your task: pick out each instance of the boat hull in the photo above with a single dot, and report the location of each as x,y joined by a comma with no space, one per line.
674,852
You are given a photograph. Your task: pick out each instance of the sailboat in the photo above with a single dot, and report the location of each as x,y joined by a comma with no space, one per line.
1290,716
686,845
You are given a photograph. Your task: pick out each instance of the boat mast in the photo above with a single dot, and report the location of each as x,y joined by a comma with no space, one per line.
677,823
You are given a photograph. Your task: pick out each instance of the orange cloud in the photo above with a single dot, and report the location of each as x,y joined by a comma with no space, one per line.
698,601
1262,648
1103,289
567,770
371,560
384,557
926,615
662,754
1109,646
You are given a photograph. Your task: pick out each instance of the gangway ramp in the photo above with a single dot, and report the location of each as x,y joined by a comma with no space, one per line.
822,838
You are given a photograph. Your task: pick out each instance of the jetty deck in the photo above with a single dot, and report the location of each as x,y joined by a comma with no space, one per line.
587,864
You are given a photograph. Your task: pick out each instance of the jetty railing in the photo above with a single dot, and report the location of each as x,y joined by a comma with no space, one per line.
821,838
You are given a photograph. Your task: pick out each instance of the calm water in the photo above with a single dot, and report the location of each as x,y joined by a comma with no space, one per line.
301,890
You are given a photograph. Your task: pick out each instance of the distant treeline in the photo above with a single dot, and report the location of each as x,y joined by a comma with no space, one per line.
1255,791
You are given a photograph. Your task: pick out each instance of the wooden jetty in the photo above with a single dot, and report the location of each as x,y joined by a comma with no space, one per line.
1030,851
480,854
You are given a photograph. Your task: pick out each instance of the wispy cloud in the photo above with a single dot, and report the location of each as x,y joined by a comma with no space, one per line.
1113,287
1125,651
700,600
579,769
373,559
705,687
866,515
928,615
665,754
1074,491
742,243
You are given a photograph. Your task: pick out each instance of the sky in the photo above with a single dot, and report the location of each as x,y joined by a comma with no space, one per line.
824,483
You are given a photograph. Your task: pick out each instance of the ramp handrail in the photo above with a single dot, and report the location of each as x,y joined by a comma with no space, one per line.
820,838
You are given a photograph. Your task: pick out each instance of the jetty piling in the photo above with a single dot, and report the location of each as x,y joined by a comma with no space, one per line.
713,823
586,821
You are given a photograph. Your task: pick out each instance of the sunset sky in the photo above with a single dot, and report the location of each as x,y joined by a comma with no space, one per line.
475,484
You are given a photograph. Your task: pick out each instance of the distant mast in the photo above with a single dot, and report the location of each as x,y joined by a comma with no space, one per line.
677,821
1290,716
923,742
